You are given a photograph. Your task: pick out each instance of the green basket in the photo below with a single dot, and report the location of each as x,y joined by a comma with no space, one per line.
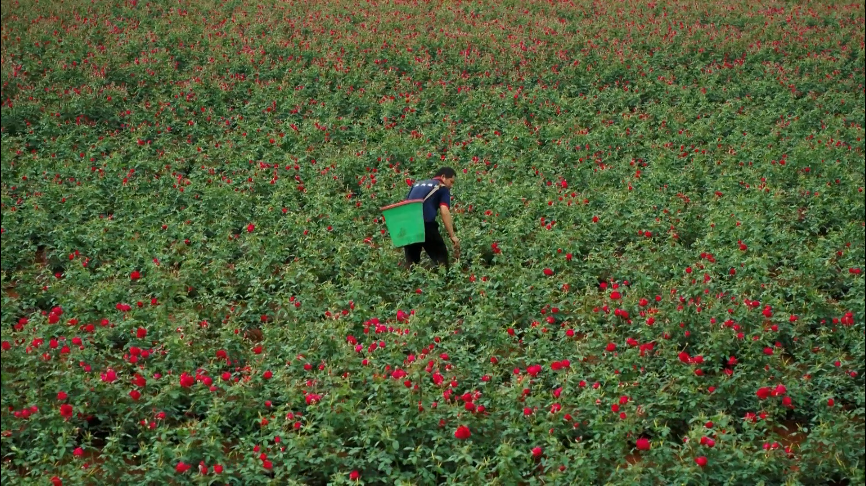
405,222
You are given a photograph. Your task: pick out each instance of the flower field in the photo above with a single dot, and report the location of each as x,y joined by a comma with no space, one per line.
660,208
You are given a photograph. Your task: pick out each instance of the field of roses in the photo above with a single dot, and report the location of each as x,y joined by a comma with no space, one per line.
660,206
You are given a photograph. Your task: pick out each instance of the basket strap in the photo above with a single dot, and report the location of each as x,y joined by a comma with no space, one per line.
433,191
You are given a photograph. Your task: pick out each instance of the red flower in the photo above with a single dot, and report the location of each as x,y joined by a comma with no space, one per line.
141,333
643,444
250,228
217,468
354,475
763,393
78,452
701,461
186,380
548,272
611,347
55,481
66,411
267,375
135,275
182,467
462,432
61,396
537,451
831,402
109,376
135,394
615,295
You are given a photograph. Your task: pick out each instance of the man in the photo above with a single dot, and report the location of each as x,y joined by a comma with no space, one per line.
440,200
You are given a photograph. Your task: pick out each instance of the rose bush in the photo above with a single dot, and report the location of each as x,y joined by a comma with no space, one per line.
660,210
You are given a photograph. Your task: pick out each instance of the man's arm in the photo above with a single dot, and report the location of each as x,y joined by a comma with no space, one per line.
449,224
445,211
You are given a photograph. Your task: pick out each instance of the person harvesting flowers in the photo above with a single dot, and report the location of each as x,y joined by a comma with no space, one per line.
436,193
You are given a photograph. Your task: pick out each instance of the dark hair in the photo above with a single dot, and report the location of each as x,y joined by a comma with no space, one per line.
446,172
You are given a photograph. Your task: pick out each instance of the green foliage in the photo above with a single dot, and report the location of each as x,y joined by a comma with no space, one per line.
702,160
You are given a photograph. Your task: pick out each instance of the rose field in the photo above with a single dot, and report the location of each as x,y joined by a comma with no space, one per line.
660,207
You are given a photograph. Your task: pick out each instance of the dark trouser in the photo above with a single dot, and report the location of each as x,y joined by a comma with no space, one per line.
433,244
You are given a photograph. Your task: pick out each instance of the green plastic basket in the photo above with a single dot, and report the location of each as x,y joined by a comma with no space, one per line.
405,222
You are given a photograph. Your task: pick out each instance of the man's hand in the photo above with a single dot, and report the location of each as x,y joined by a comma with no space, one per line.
455,241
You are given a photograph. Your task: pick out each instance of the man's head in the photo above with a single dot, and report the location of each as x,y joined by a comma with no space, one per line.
447,175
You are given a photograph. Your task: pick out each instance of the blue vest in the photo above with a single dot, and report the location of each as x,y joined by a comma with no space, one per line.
442,196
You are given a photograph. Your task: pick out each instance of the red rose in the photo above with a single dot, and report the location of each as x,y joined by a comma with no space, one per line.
135,275
135,394
537,451
462,432
250,228
548,272
643,444
141,333
701,461
354,475
182,467
267,375
186,380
